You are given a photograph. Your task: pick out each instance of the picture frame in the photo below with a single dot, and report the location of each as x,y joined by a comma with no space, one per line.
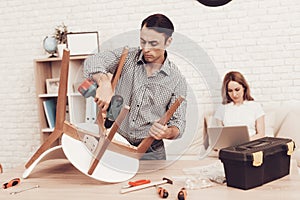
83,43
52,85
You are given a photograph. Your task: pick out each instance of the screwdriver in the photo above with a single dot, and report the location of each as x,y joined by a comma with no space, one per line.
136,183
12,193
182,194
163,193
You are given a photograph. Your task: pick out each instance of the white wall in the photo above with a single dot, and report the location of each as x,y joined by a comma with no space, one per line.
260,38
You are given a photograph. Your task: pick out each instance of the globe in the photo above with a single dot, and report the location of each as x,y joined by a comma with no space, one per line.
50,44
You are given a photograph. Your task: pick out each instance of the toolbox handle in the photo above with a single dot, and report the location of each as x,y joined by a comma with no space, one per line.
257,144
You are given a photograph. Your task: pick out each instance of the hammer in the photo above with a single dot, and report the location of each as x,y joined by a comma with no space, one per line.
139,187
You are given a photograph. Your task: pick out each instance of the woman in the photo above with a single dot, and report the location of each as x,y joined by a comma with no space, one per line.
238,106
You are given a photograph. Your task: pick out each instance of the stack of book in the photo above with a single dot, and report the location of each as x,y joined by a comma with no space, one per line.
50,111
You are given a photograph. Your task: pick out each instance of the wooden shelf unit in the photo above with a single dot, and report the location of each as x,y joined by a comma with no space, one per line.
48,68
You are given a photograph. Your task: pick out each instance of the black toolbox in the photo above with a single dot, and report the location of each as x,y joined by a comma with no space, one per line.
254,163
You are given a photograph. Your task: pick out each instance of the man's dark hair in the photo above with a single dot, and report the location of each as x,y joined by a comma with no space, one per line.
159,23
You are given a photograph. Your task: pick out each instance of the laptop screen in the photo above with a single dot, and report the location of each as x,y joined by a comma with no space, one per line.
222,137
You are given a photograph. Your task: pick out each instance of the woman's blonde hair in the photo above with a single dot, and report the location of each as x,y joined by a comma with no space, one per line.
237,77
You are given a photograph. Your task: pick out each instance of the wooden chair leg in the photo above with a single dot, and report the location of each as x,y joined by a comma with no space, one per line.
146,143
60,109
102,146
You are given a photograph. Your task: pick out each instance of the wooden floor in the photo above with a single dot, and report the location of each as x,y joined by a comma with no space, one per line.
58,179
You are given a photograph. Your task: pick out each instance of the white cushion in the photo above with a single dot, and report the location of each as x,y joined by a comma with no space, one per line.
290,127
269,123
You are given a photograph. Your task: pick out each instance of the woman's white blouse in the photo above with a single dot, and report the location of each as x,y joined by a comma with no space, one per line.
244,114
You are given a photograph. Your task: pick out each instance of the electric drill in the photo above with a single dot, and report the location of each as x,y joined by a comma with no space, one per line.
88,89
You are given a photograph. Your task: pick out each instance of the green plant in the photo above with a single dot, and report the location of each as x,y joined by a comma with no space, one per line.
61,34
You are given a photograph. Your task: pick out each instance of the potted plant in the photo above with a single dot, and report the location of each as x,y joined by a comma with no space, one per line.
61,37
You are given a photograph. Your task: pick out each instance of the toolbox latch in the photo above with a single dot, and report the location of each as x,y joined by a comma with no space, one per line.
257,158
290,146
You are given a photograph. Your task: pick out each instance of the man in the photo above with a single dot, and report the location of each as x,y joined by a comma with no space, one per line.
149,84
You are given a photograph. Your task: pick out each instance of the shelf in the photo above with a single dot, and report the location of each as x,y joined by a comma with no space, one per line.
75,94
59,59
49,68
47,95
47,130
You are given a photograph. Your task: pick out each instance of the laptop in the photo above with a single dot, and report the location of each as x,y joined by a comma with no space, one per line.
226,136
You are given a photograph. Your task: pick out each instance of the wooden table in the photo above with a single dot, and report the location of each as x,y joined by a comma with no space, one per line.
58,179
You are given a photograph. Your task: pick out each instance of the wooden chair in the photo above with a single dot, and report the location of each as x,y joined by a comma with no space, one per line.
107,151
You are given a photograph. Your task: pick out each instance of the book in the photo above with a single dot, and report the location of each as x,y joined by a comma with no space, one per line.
50,111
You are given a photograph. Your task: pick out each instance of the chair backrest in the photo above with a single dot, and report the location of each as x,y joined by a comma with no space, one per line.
62,91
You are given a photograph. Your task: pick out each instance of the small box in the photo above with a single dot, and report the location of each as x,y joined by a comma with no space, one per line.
257,162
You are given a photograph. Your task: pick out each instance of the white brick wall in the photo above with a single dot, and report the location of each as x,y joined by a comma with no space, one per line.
260,38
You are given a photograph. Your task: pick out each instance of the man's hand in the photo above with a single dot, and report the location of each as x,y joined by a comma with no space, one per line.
159,131
104,91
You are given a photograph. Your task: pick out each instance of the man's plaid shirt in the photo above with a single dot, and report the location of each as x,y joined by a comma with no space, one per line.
149,97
